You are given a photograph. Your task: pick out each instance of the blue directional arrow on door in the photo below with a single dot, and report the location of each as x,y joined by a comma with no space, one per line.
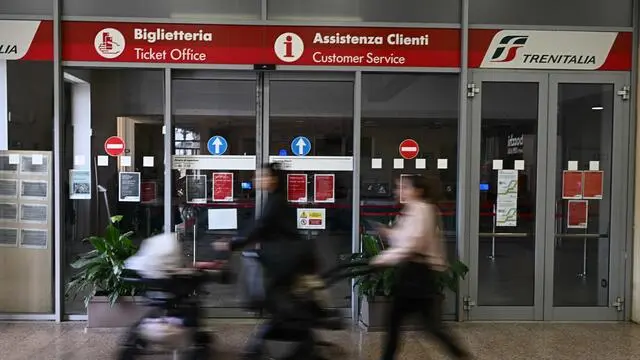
300,146
217,145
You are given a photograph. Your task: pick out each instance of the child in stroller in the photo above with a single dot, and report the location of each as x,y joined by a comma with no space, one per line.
171,289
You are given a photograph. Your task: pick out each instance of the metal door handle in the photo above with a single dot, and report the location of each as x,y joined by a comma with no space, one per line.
504,234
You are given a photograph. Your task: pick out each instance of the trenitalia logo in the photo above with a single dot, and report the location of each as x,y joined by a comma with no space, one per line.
508,47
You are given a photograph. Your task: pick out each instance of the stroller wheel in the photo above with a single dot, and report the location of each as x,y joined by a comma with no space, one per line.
127,353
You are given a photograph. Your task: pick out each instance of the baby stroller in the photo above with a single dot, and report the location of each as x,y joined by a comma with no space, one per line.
294,317
171,291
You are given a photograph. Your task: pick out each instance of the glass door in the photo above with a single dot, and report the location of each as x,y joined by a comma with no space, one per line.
507,237
309,129
586,231
215,152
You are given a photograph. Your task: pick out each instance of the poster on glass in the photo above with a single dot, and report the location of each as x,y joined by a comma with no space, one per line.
79,184
507,200
196,189
129,187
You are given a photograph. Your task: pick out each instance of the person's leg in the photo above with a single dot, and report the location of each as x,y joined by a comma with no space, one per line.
431,311
396,312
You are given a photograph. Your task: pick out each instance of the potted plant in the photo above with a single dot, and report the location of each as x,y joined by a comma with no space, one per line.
110,302
374,289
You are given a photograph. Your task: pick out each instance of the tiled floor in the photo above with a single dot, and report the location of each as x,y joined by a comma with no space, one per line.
489,341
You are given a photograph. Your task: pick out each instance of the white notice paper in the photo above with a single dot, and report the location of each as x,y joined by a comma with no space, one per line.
103,160
443,164
147,161
312,219
398,163
518,164
594,165
78,160
125,160
36,159
507,200
497,164
421,164
14,159
222,219
376,163
572,166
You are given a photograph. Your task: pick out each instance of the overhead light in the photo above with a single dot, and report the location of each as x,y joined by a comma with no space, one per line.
597,108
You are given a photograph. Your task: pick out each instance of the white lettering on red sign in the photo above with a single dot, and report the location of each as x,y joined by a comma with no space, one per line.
152,36
391,39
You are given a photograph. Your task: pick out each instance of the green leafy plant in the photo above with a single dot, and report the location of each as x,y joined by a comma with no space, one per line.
381,283
99,271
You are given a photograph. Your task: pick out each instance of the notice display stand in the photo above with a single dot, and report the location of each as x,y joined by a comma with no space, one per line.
583,274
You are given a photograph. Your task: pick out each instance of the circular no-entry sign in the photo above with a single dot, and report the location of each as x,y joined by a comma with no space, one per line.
114,146
409,149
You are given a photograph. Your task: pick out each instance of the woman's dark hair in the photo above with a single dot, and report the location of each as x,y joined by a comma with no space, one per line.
275,170
425,189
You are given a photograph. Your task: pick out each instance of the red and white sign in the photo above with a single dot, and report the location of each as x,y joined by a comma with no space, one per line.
547,50
409,149
324,188
593,185
114,146
297,188
571,184
26,40
222,187
309,45
149,192
260,44
577,214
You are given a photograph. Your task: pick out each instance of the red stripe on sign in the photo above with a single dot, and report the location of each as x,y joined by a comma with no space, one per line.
620,56
42,45
479,42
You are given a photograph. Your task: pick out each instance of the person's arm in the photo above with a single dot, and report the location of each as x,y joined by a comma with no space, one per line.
408,237
262,226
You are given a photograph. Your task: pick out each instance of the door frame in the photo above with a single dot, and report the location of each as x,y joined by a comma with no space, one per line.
618,224
519,313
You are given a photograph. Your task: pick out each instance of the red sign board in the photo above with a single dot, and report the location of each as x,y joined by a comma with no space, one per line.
571,184
324,188
149,192
577,214
593,185
409,149
114,146
222,187
260,44
297,188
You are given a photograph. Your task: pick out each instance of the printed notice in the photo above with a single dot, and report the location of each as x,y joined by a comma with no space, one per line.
297,188
196,186
222,187
324,188
79,184
593,185
577,214
149,191
129,187
507,200
571,184
312,219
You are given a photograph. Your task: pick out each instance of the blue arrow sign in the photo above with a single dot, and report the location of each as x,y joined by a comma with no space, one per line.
217,145
300,146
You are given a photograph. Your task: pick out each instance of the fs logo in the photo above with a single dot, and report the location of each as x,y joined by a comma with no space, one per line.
507,49
109,43
289,47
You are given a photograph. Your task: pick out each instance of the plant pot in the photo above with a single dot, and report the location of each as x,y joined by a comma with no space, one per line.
124,313
373,315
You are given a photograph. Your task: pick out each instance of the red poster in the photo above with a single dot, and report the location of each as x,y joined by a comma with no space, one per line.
149,192
297,188
593,185
577,214
260,44
222,187
324,188
572,184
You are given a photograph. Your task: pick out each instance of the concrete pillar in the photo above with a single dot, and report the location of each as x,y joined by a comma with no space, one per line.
635,288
